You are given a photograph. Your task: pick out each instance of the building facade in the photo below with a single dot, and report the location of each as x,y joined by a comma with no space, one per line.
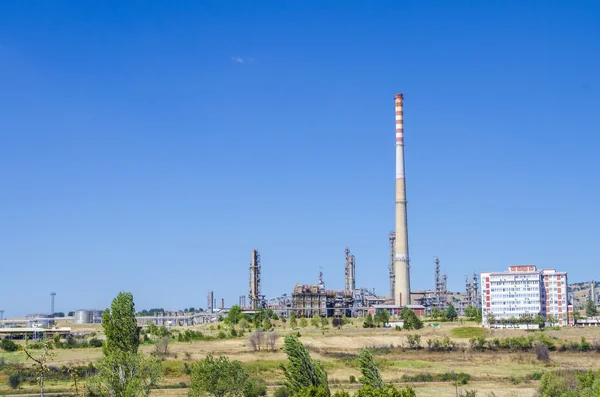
525,291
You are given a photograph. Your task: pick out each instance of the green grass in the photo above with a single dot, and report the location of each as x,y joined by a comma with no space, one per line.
468,332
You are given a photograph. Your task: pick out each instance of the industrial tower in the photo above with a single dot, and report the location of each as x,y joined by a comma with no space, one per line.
52,295
401,260
392,237
350,271
254,294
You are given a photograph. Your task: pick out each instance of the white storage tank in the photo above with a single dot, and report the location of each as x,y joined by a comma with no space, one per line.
82,317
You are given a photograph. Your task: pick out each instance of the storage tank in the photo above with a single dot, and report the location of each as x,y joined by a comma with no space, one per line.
82,317
96,316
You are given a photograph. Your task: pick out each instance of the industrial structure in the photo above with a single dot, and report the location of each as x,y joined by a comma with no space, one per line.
210,302
392,238
87,316
52,296
350,273
401,259
254,296
524,291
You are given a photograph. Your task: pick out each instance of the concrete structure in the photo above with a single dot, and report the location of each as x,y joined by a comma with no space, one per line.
52,296
401,260
350,271
525,291
210,305
39,321
254,296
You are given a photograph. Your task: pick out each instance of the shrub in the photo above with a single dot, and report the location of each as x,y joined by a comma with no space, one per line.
9,345
542,352
414,341
281,392
14,381
254,387
222,335
95,342
352,379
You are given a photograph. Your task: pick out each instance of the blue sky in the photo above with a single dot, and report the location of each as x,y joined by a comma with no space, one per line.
149,146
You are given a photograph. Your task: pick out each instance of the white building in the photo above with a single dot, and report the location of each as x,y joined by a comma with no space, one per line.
525,291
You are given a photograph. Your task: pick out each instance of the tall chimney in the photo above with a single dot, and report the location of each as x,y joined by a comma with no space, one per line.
401,261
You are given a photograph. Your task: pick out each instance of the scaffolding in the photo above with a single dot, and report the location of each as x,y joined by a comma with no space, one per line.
254,296
350,271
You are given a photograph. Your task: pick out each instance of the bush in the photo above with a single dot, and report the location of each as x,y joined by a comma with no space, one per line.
255,387
542,352
352,379
14,381
95,342
222,335
281,392
414,341
8,345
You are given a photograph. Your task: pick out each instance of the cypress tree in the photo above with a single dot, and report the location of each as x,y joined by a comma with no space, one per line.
371,376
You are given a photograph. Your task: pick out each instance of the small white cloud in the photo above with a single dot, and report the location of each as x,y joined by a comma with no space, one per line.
237,59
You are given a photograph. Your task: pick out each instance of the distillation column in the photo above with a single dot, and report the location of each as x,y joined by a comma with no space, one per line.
401,261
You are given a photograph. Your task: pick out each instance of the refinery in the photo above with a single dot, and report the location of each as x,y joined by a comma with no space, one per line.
309,300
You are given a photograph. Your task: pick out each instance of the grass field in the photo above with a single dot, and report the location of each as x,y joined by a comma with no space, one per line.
503,372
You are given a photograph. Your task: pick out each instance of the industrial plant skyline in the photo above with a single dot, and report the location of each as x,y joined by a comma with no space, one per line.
153,151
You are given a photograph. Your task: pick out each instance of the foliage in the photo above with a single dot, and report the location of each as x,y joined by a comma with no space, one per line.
40,363
324,322
414,341
542,352
368,323
368,368
315,321
58,314
281,392
8,345
14,380
436,313
190,335
302,371
254,387
120,326
388,391
126,374
234,315
411,321
590,308
293,321
303,322
123,372
218,377
450,313
382,317
312,391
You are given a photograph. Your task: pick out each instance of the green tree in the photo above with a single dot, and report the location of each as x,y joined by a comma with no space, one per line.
470,312
123,371
234,315
302,371
450,313
303,322
324,322
315,321
368,368
120,326
368,323
217,377
382,317
267,325
590,308
491,319
293,321
410,319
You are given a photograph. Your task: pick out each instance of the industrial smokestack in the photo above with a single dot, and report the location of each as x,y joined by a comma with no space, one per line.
401,261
